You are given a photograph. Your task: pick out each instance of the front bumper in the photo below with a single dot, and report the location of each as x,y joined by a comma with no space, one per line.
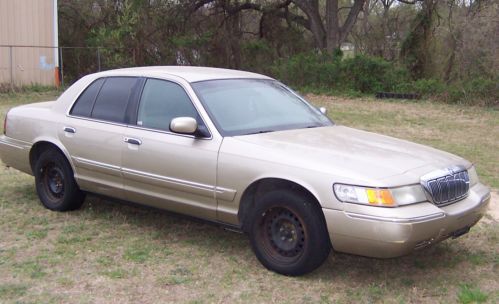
391,232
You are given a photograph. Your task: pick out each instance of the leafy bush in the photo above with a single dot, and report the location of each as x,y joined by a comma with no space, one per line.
260,55
308,69
428,87
325,71
371,74
479,91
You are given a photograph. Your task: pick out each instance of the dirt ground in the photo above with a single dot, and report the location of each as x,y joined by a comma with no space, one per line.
494,206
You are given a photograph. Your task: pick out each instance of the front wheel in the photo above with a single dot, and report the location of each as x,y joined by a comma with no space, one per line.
55,184
288,233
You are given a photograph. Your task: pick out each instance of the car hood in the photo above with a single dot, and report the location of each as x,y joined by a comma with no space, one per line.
351,153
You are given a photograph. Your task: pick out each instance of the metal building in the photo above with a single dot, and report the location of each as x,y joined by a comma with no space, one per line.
29,43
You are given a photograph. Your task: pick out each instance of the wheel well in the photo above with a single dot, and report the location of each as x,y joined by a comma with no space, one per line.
38,149
262,186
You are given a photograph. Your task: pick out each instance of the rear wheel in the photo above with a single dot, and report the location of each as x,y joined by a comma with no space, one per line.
55,184
288,233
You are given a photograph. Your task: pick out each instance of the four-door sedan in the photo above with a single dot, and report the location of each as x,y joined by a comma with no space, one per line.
244,150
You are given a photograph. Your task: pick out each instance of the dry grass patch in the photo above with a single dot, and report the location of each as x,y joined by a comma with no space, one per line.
113,253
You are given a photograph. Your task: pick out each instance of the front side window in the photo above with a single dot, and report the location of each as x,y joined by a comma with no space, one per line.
248,106
162,101
112,101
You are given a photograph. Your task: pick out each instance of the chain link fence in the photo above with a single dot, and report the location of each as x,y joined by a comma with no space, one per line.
24,65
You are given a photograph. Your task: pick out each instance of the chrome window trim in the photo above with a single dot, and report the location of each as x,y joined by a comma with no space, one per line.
192,102
98,120
68,110
71,105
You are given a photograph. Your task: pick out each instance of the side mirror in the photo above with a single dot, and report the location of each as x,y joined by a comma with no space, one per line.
184,125
323,110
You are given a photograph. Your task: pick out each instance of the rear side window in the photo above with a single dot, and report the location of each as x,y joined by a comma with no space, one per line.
162,101
83,106
112,101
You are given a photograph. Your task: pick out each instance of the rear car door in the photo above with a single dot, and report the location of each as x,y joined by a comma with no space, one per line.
164,169
93,133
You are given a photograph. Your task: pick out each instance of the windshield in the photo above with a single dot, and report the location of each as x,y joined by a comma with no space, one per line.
250,106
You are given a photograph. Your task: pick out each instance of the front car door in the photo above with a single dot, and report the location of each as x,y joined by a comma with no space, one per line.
164,169
93,133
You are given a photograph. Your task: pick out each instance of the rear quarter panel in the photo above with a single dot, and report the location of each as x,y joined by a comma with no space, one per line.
27,125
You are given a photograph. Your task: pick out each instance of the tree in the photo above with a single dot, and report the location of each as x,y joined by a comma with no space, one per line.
324,22
415,49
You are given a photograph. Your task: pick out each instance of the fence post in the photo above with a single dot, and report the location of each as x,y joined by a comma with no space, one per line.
11,69
61,63
98,59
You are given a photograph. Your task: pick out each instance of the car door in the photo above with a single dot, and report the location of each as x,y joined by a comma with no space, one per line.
164,169
93,134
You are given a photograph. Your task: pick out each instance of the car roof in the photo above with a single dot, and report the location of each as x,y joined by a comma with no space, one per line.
189,73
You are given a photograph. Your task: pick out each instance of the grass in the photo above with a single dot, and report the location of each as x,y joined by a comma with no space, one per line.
12,291
468,294
107,252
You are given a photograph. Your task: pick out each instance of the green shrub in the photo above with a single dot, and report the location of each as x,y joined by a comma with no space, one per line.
309,69
327,73
371,74
321,70
261,54
428,87
479,91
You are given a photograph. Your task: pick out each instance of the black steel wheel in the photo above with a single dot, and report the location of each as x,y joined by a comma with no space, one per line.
282,233
55,184
53,180
288,233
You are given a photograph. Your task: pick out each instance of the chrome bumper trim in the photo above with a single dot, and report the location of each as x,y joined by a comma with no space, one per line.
397,220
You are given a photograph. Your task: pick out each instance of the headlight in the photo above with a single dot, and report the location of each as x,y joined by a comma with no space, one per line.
473,176
391,197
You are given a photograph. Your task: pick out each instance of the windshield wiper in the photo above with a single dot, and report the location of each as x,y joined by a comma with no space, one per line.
259,132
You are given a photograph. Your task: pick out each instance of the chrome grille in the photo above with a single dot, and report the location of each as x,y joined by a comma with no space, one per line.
446,186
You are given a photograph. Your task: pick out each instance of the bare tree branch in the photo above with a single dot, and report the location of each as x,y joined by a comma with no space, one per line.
410,2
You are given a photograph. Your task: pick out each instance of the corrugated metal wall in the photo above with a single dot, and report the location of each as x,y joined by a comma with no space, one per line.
27,23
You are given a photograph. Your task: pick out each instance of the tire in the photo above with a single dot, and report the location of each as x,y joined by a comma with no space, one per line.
55,184
288,233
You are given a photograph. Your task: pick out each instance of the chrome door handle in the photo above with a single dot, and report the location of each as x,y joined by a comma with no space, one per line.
133,141
69,130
